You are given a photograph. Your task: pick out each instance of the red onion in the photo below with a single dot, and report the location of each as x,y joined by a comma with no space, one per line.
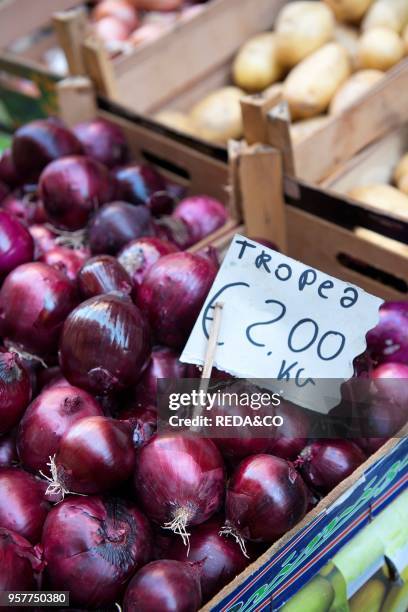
391,382
34,302
138,182
20,562
105,344
174,231
8,450
116,224
8,173
16,244
164,363
221,558
161,203
103,141
370,445
388,342
38,143
15,390
179,481
382,418
44,239
168,586
4,190
292,436
68,261
138,256
27,208
103,274
47,419
202,214
92,546
211,254
94,455
23,508
173,293
72,188
265,498
143,423
325,463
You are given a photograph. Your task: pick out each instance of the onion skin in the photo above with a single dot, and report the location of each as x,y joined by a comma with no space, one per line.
221,558
164,363
142,421
166,585
19,561
103,141
391,382
26,207
16,244
23,507
68,261
388,341
39,143
292,436
178,473
4,191
8,173
174,231
103,274
161,203
116,224
105,344
138,182
92,546
44,239
47,419
8,450
138,256
95,455
202,214
325,463
15,390
72,188
172,276
262,487
34,302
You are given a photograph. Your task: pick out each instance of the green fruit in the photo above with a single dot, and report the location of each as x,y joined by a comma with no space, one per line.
397,599
369,598
316,596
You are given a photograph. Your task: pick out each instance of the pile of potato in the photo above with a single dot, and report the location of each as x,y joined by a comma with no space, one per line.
387,198
321,57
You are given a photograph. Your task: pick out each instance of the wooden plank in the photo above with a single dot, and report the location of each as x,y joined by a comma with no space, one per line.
99,67
261,183
76,100
71,28
278,132
254,110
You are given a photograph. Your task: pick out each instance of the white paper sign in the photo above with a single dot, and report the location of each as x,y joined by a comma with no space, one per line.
284,320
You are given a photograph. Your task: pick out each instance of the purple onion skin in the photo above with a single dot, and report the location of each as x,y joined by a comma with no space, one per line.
142,421
39,143
388,342
174,473
105,344
8,450
164,363
8,173
166,585
4,191
116,224
103,141
16,244
23,507
220,558
35,299
92,546
15,390
103,274
173,293
264,486
44,239
137,183
174,231
27,208
391,382
325,463
202,214
138,256
161,203
20,562
72,188
292,436
68,261
47,419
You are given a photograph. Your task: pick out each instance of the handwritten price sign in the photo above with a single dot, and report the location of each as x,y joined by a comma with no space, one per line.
285,321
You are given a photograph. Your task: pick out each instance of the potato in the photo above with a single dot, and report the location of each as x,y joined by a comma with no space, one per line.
256,65
401,174
301,29
349,10
303,129
382,241
391,14
218,117
355,87
347,37
312,84
379,48
383,197
178,121
403,184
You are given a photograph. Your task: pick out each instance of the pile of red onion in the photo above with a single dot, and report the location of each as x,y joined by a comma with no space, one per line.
98,297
